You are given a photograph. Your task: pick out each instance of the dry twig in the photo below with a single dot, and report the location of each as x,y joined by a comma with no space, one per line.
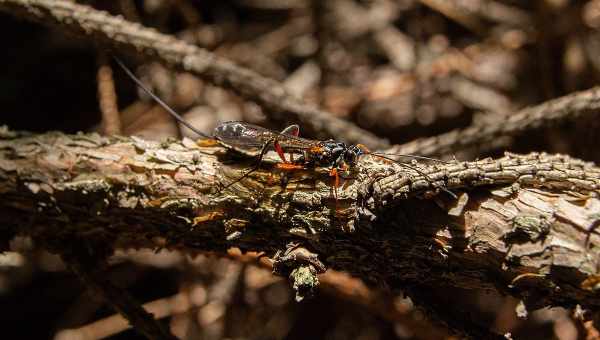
115,324
83,264
545,114
107,97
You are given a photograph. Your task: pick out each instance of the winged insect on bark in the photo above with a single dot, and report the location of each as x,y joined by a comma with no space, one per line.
254,141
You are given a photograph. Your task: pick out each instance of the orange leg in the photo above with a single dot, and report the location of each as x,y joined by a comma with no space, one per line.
207,142
279,151
289,166
285,165
293,130
336,183
363,148
263,151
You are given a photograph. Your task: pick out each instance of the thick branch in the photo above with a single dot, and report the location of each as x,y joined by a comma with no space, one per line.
522,224
134,38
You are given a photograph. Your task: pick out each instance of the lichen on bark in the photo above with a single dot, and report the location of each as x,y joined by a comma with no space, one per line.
523,224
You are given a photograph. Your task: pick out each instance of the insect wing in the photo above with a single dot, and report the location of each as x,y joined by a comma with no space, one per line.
243,137
250,139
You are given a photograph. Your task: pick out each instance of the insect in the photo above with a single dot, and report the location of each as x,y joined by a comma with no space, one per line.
339,157
255,141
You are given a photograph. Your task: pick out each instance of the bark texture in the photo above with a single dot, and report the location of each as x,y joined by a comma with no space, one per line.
523,224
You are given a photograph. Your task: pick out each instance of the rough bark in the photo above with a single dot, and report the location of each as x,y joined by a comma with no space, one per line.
522,224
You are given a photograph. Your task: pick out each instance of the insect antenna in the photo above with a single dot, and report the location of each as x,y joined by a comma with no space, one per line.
383,155
415,169
160,102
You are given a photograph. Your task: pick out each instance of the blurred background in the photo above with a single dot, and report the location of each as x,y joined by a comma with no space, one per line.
402,69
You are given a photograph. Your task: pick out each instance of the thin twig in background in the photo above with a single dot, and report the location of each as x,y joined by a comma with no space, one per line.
139,40
319,13
469,13
545,114
165,307
118,298
116,323
449,9
107,97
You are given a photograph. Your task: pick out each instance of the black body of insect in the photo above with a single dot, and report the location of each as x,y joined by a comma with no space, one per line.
255,141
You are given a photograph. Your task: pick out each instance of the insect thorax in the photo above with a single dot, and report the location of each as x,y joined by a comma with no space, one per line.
333,154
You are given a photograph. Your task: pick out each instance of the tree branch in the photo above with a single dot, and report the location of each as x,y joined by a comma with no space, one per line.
107,96
552,112
87,269
133,38
523,224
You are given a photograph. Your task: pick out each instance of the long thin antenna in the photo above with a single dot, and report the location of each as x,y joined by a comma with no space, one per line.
410,156
158,100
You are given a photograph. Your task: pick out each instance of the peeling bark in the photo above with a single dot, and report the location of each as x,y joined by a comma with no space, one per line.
522,224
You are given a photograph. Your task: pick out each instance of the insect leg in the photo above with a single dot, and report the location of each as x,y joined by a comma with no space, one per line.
293,130
279,150
363,148
588,237
263,151
336,183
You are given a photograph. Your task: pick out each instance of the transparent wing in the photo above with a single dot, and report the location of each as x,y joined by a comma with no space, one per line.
250,139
